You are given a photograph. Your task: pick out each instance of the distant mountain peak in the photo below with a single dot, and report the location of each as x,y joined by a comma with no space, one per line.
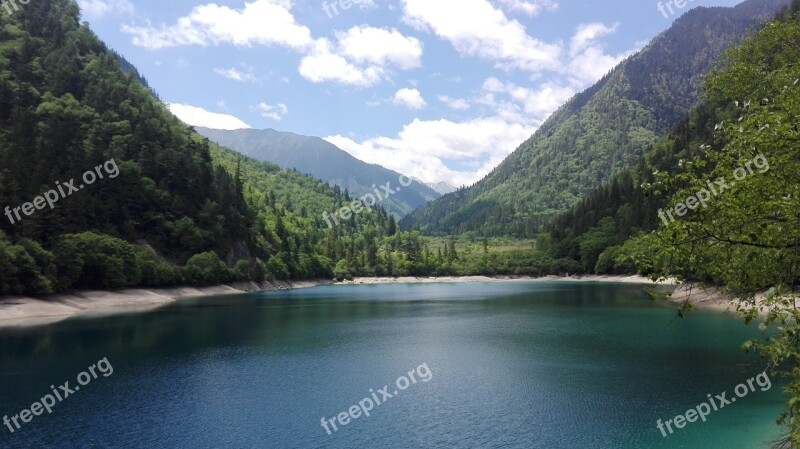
324,161
442,187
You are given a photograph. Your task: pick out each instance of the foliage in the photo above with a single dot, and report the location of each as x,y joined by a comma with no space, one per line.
746,240
67,104
207,269
597,134
98,261
26,268
342,271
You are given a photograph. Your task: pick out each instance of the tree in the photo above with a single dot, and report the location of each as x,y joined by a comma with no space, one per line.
595,241
207,269
277,267
342,271
741,228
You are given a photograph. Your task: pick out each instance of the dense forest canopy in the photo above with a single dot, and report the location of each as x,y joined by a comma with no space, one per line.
181,210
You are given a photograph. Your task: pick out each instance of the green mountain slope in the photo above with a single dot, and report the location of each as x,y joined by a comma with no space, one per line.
324,161
66,106
171,207
598,132
592,233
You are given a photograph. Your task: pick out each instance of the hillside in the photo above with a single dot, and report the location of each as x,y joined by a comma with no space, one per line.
103,188
598,132
170,207
325,161
599,233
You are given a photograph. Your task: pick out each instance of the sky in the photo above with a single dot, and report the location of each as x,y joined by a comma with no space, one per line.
442,90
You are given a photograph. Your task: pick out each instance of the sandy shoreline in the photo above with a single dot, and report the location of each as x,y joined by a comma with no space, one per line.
467,279
710,298
26,311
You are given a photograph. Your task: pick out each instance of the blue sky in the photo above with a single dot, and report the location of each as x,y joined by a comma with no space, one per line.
442,90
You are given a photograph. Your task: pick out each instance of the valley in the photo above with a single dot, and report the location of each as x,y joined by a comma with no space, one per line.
580,208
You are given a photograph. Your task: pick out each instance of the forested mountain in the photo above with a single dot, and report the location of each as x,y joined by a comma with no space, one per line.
175,208
169,207
66,106
599,232
598,132
324,161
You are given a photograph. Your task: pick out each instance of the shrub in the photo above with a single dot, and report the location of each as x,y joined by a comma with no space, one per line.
242,271
277,268
91,260
207,269
342,271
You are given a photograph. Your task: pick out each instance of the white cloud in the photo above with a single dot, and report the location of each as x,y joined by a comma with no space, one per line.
195,116
235,74
381,47
430,149
482,31
410,98
362,56
522,101
485,32
97,9
272,112
261,22
504,113
325,65
463,152
529,7
587,33
456,104
589,62
421,148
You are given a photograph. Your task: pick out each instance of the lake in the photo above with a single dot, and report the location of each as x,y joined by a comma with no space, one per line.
494,365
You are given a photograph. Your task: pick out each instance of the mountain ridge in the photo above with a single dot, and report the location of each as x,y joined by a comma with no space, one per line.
598,132
325,161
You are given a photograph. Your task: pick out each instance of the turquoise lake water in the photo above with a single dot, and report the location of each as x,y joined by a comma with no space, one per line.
508,365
